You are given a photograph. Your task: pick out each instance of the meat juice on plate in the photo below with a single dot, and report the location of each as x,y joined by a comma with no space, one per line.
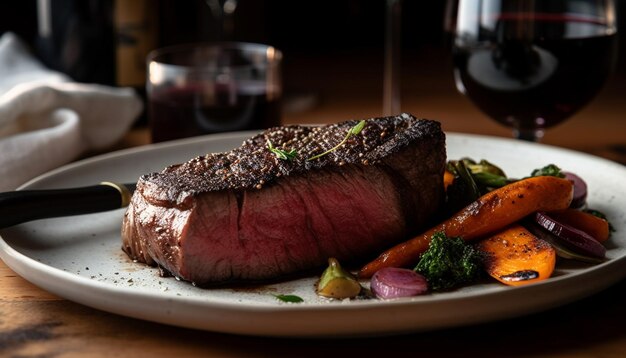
196,109
539,81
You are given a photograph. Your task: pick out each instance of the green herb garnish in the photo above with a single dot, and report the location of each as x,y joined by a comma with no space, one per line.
449,262
289,298
549,170
281,153
353,131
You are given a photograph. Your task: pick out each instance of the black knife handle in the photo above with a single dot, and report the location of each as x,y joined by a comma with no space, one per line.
25,205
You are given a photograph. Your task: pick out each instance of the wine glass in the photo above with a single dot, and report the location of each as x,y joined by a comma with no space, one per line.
391,70
531,64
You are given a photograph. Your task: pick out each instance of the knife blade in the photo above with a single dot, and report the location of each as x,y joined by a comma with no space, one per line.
21,206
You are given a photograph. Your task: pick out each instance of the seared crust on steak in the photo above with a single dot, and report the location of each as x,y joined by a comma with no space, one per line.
199,219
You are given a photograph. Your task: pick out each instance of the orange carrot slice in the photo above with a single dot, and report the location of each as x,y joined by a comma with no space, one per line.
516,257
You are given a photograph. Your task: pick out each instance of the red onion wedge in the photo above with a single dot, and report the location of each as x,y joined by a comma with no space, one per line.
571,237
393,282
580,190
561,250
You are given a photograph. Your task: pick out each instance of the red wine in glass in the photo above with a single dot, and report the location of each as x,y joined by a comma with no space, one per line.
529,67
213,87
179,112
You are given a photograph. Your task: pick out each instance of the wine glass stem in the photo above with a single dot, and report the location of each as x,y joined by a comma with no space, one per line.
531,135
391,80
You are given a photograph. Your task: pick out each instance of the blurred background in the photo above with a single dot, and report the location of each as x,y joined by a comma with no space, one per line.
333,54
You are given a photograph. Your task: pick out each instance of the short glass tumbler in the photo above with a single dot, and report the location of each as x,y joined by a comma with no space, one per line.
210,88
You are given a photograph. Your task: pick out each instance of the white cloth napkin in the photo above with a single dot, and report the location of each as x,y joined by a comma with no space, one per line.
47,121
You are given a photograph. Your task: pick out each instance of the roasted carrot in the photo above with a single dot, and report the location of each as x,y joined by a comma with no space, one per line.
489,213
516,257
448,179
596,227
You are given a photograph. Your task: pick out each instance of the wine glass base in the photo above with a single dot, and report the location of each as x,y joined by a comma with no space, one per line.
531,135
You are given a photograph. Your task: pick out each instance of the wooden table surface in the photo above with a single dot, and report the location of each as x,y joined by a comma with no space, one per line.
34,323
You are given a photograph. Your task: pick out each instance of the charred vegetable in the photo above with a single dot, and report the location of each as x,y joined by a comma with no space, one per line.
472,179
516,257
571,237
595,226
337,282
449,262
487,175
561,250
462,189
490,213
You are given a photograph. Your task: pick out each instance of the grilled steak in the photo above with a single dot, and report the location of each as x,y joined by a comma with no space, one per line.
248,214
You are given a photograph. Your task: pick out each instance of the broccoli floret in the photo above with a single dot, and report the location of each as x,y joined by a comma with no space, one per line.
449,262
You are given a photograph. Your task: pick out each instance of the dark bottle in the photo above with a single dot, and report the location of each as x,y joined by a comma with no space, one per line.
77,37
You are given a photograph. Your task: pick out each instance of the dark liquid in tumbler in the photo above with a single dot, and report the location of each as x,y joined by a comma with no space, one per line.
186,112
536,85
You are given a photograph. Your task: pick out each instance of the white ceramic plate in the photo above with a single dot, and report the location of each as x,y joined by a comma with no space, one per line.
79,257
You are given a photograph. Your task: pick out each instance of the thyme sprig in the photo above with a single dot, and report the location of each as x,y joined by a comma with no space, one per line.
356,129
281,153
